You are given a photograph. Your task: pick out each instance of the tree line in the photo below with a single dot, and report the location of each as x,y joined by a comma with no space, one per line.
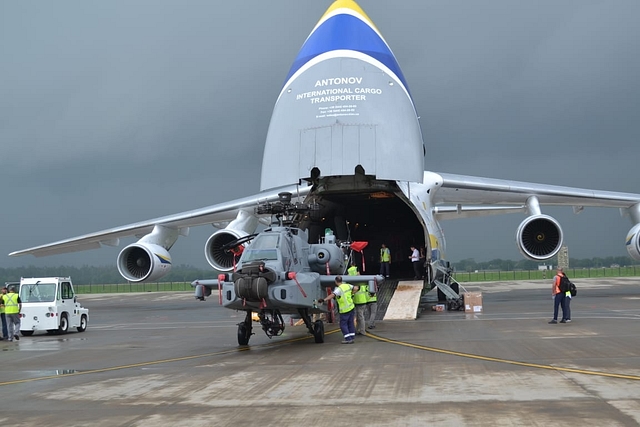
90,275
470,264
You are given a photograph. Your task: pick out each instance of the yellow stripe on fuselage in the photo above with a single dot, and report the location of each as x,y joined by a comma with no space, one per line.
347,4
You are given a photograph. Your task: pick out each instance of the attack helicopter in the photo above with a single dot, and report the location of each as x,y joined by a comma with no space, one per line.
279,272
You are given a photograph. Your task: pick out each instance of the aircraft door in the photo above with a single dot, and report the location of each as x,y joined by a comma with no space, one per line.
67,302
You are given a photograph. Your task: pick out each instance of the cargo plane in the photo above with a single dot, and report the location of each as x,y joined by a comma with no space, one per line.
343,157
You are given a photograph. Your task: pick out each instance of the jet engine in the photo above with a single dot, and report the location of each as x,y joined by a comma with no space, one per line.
633,242
144,262
217,252
539,237
219,257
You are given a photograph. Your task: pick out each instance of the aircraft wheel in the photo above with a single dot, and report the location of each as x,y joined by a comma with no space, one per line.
243,334
83,324
26,333
64,324
318,331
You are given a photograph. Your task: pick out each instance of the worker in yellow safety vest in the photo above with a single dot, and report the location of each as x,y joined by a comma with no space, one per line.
12,309
5,334
372,304
343,294
385,261
360,300
353,270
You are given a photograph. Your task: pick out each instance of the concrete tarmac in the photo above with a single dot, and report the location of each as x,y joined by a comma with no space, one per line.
165,359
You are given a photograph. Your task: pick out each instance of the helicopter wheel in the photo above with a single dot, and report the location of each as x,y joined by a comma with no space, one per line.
318,331
244,330
243,334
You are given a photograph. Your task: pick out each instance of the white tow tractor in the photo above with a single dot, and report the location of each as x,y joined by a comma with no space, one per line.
50,304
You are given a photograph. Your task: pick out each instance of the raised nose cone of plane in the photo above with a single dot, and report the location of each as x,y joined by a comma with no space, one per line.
345,104
345,27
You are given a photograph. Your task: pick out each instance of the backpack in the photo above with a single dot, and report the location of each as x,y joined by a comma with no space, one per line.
572,289
567,285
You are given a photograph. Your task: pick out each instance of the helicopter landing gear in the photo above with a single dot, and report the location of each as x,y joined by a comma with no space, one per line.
315,328
244,330
318,331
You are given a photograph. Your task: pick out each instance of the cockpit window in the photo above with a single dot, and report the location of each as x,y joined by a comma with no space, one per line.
264,247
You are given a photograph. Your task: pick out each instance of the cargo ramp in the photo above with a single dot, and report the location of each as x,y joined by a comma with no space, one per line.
405,300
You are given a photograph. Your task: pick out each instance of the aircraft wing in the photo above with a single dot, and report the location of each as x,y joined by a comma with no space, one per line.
213,214
479,193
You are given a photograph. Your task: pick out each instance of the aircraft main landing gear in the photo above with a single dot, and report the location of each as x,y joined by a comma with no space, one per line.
244,330
315,328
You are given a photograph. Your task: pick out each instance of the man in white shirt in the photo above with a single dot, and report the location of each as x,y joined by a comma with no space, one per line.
415,261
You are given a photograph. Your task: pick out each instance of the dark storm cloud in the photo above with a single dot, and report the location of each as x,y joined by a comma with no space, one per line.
121,111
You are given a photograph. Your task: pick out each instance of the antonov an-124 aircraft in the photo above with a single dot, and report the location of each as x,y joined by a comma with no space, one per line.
343,163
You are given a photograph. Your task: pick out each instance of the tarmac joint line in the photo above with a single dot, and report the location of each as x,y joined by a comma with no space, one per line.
499,360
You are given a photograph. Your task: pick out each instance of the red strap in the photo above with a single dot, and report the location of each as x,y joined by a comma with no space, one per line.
330,307
237,251
292,276
220,280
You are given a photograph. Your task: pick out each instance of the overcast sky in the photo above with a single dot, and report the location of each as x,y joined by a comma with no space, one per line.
120,111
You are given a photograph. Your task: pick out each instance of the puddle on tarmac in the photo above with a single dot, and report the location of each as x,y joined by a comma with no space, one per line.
51,372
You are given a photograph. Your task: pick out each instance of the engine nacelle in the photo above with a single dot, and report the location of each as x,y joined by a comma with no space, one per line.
321,254
539,237
633,242
217,257
144,262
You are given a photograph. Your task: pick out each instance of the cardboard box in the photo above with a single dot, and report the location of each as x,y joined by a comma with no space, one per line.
473,302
